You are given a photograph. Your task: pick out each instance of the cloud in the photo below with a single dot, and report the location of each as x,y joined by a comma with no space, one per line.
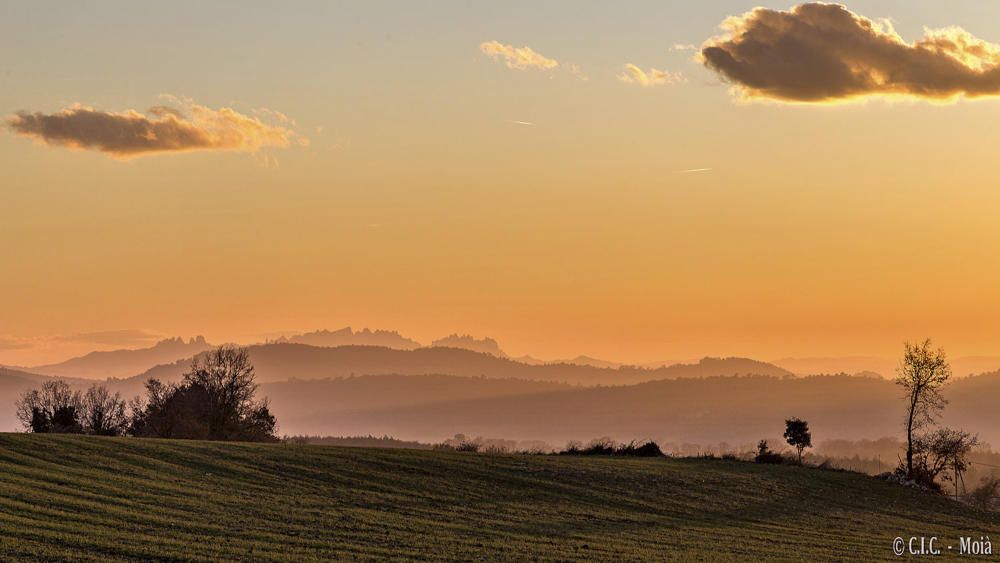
683,47
13,344
653,77
824,52
124,336
161,129
519,58
526,123
694,170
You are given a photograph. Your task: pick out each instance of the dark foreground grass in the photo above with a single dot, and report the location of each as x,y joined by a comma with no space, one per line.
80,498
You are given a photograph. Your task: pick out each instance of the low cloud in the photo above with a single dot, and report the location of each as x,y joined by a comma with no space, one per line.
161,129
652,77
124,336
820,52
13,344
519,58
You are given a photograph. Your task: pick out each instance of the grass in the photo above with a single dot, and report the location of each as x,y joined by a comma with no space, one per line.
90,498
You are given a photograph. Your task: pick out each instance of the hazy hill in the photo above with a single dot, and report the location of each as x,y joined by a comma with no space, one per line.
703,410
736,410
579,360
961,366
348,337
125,363
143,500
278,362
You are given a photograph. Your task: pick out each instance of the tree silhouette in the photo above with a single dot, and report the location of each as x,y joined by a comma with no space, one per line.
52,408
923,372
797,435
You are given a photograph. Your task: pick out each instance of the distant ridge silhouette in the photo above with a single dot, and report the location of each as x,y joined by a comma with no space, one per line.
467,342
125,363
283,361
348,337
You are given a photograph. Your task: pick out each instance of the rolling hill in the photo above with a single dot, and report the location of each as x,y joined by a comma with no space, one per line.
736,410
113,499
125,363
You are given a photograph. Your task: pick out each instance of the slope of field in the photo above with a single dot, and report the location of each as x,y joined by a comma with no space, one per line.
71,498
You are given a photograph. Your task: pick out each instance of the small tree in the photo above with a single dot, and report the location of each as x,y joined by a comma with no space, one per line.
797,435
922,373
52,408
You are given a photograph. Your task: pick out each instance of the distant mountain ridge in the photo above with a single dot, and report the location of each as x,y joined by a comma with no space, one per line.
485,345
283,361
125,363
348,337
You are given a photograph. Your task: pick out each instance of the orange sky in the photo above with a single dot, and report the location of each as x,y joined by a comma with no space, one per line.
423,183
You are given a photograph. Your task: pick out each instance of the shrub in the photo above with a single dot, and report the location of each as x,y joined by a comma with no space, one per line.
765,455
649,449
467,447
982,496
607,447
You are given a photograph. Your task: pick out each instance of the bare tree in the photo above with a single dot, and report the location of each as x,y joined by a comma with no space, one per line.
923,372
102,413
227,377
215,401
52,408
942,450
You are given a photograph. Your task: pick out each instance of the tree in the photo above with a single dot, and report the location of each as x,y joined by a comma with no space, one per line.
227,378
215,401
922,373
52,408
103,414
797,435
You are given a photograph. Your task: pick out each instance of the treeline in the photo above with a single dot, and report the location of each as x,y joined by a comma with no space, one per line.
214,401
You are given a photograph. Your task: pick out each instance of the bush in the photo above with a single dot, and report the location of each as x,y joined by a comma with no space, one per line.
982,496
765,455
467,447
607,447
649,449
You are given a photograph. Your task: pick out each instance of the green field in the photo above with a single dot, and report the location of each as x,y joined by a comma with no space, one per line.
70,497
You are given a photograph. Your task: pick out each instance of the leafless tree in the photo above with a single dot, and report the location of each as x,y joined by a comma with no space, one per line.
943,450
52,408
102,413
923,372
227,376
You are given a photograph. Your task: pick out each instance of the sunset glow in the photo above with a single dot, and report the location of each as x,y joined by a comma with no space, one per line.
374,164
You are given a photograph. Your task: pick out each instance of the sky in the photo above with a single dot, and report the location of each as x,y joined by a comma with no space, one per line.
623,180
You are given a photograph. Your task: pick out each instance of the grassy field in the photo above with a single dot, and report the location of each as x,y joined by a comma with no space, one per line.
80,498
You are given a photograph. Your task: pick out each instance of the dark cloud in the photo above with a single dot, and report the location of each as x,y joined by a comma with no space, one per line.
823,52
160,129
